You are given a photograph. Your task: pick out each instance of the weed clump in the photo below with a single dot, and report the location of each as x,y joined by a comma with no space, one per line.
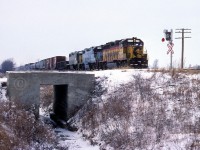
19,129
145,113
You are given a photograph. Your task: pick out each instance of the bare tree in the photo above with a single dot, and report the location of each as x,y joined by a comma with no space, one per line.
7,65
155,64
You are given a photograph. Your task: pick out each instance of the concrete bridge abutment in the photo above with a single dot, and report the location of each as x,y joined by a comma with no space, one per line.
71,90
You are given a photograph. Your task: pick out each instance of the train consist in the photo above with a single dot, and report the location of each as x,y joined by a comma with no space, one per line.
125,52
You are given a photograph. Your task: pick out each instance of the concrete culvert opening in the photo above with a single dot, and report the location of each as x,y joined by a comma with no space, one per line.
53,100
60,101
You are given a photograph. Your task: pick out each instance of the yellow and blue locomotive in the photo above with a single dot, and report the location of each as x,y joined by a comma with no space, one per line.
125,52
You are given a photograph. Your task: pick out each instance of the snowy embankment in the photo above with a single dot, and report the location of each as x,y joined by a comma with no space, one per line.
65,139
138,109
113,79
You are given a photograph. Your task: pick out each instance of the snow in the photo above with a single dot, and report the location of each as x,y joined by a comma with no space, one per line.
4,79
67,139
165,85
113,79
73,140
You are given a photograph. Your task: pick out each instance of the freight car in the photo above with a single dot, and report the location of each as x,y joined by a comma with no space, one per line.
63,65
50,63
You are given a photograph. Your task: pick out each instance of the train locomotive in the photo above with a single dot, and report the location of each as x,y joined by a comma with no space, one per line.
119,53
125,52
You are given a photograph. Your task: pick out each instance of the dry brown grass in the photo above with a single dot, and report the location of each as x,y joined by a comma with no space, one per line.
176,70
46,97
5,139
140,106
20,129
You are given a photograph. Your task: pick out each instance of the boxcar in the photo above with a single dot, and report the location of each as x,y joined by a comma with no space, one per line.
62,65
55,60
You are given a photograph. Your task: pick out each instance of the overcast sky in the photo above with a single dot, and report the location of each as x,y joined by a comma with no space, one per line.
32,30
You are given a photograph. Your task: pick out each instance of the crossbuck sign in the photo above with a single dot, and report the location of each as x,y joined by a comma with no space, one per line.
170,46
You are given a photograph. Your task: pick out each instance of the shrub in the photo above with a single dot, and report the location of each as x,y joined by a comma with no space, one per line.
46,97
144,112
20,130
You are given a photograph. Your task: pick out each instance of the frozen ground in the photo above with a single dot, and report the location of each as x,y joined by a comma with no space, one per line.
66,139
73,140
114,78
175,93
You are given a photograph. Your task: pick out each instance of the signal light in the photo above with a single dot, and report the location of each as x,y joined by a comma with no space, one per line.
168,36
163,39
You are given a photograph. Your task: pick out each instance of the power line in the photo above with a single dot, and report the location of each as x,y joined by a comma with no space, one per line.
182,31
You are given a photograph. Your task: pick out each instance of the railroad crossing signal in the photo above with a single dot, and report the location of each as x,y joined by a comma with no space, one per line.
170,46
169,38
168,35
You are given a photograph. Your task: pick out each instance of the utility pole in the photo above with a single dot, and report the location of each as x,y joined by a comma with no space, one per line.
182,31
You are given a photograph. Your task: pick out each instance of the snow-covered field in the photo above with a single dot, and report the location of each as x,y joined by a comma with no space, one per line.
174,93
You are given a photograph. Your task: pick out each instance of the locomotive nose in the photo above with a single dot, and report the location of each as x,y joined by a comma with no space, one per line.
138,52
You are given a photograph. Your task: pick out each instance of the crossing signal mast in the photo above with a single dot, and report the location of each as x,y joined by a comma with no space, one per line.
182,31
169,38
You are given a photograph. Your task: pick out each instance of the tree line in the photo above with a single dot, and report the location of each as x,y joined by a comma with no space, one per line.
7,65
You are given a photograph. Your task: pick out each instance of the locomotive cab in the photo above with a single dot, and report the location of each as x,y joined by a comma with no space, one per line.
134,49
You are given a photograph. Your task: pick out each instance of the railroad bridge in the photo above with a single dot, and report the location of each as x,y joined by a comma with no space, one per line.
71,90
